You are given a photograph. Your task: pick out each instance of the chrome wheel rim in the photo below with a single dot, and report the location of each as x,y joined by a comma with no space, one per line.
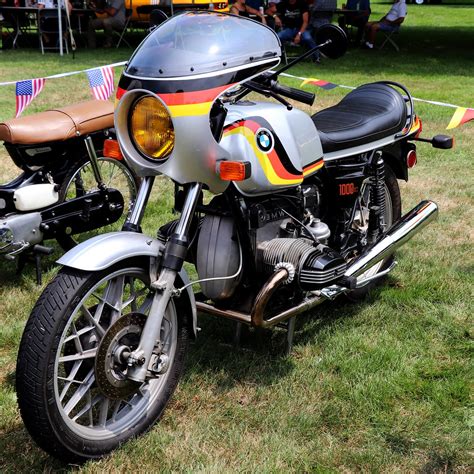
84,409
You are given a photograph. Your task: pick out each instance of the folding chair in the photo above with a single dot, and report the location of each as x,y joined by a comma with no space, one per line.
128,19
48,24
389,37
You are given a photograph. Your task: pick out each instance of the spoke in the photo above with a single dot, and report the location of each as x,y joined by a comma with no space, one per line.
100,330
80,392
89,354
87,408
70,379
116,409
134,295
145,307
77,341
112,298
80,333
104,409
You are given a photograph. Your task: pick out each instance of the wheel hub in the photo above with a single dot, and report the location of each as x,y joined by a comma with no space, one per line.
111,367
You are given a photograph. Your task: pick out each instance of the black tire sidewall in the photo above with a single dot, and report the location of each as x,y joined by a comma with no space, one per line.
59,440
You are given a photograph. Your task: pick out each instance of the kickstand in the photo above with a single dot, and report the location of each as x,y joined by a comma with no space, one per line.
38,252
289,334
237,334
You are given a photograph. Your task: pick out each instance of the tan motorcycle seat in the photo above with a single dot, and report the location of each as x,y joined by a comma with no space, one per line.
59,124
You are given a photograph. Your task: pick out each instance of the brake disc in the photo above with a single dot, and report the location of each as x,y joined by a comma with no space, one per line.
110,365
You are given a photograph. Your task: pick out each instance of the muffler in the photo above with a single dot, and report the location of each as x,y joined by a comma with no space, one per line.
408,225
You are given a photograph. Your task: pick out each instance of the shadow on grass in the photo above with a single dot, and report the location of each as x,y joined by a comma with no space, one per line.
261,357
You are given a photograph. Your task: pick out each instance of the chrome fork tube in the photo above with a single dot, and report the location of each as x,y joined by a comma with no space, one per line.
175,251
136,213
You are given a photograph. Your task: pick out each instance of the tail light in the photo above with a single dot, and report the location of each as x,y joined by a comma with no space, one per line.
411,158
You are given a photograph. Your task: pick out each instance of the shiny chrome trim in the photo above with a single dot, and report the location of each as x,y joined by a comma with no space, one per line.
403,230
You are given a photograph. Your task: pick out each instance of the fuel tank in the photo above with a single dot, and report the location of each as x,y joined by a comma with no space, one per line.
282,145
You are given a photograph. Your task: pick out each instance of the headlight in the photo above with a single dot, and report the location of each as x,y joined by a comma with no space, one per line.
151,128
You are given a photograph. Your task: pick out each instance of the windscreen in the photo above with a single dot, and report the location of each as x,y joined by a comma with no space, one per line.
202,42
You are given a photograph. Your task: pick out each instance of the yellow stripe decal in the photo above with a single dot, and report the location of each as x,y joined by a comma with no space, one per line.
190,110
270,174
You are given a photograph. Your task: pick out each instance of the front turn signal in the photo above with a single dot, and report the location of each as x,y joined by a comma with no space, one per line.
234,170
112,149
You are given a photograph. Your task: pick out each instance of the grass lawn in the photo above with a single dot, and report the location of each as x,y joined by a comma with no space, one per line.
380,386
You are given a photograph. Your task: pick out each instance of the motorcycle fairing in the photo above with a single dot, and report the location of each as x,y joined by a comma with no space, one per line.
189,88
274,165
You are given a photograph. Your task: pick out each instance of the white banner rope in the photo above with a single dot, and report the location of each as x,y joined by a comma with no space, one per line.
65,74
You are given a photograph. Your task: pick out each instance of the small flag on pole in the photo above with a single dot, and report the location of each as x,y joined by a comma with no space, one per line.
101,81
462,115
320,83
26,91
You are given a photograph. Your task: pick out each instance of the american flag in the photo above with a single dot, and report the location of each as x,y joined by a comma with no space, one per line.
101,81
26,91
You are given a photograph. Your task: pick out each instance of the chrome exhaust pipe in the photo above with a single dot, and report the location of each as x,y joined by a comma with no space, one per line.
408,225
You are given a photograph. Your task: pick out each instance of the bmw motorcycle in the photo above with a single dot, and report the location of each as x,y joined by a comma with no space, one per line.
65,191
303,209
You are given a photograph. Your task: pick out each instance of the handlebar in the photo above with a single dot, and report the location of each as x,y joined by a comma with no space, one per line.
292,93
266,84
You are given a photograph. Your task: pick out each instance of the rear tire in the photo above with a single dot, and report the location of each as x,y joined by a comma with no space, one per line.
56,384
393,213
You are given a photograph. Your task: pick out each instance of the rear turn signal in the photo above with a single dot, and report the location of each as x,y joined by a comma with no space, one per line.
112,149
234,170
411,159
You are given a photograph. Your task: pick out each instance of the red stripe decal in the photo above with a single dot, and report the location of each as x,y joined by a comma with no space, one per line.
120,92
275,161
190,98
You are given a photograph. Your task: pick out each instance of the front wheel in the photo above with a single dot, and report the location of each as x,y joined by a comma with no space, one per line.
73,394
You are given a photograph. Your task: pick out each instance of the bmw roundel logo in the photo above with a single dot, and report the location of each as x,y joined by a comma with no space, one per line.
264,140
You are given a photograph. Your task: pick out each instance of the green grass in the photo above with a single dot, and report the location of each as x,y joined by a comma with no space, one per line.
380,386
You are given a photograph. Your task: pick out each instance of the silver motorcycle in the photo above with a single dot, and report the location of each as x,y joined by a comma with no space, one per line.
304,209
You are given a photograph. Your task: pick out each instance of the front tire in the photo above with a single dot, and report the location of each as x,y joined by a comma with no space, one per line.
60,401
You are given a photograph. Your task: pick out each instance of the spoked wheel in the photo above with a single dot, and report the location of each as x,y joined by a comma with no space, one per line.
81,181
391,214
73,393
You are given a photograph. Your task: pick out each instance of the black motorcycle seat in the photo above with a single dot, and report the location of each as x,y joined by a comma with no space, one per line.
368,113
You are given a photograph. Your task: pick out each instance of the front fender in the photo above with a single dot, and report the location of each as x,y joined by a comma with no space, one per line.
105,250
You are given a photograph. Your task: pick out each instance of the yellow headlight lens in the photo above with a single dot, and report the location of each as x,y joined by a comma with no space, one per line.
151,128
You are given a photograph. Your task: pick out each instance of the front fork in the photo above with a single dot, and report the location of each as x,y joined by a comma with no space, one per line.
171,264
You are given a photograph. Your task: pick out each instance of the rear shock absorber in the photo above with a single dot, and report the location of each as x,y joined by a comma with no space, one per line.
377,197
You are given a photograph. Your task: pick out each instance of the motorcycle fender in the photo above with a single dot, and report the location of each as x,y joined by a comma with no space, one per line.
105,250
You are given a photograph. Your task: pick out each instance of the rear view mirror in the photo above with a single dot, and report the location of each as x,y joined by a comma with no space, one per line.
336,39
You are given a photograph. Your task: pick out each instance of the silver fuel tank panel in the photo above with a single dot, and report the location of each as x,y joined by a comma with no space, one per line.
282,145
